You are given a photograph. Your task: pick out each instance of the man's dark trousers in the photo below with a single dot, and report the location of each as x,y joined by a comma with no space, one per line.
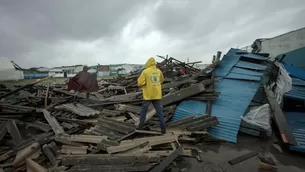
159,110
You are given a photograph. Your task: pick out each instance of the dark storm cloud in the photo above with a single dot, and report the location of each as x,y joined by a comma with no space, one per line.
28,22
189,19
65,32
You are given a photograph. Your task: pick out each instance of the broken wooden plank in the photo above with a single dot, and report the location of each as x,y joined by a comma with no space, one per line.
78,109
105,159
180,121
167,161
182,94
106,143
279,117
25,153
13,130
149,132
3,129
84,138
39,125
56,127
113,113
23,87
156,140
66,141
124,147
50,155
203,124
74,150
242,158
32,166
77,121
46,97
185,152
111,168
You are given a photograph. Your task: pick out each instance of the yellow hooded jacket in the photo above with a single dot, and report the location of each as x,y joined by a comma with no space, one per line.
151,80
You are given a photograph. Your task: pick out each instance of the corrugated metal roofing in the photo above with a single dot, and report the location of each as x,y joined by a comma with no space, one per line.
297,82
296,72
237,92
294,58
296,121
245,71
298,89
254,56
297,92
247,65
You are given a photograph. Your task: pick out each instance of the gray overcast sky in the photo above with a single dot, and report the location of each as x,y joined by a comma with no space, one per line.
66,32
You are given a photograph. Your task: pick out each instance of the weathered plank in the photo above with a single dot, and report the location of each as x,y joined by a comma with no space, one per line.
167,161
56,127
50,155
104,159
84,138
3,129
74,150
111,168
124,147
156,140
33,166
279,117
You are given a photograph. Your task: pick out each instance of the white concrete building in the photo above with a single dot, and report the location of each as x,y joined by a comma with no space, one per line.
280,44
56,73
8,71
43,69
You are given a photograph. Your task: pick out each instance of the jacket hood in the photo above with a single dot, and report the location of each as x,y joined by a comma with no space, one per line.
150,62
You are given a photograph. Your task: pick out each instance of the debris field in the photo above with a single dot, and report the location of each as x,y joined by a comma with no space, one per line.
44,128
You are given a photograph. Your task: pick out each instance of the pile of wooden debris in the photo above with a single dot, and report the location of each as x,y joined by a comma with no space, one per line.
44,128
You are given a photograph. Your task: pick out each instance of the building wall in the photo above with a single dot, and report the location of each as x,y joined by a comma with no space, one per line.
103,73
35,75
8,71
11,74
284,43
43,69
56,73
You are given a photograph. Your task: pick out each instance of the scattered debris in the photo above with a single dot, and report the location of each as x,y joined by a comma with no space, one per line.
242,158
54,129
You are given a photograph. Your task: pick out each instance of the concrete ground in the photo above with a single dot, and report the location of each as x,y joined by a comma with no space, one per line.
216,156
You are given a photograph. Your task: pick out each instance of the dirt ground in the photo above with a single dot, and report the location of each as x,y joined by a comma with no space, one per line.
216,156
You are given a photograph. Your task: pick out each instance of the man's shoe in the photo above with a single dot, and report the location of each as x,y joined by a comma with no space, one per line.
163,130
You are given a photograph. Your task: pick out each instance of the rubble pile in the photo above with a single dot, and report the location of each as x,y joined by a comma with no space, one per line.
43,128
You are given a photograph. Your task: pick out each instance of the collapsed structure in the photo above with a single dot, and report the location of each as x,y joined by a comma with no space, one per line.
44,128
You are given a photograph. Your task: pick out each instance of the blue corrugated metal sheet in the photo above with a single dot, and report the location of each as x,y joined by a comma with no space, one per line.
296,122
196,108
295,72
247,65
254,56
243,77
245,71
294,58
35,75
297,81
236,95
297,92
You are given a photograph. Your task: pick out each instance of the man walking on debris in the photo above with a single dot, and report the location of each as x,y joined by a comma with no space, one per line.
150,81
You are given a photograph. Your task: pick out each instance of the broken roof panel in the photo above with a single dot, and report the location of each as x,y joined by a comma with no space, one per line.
248,65
296,121
237,91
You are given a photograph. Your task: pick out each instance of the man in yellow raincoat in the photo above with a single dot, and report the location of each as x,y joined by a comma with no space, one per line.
150,81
